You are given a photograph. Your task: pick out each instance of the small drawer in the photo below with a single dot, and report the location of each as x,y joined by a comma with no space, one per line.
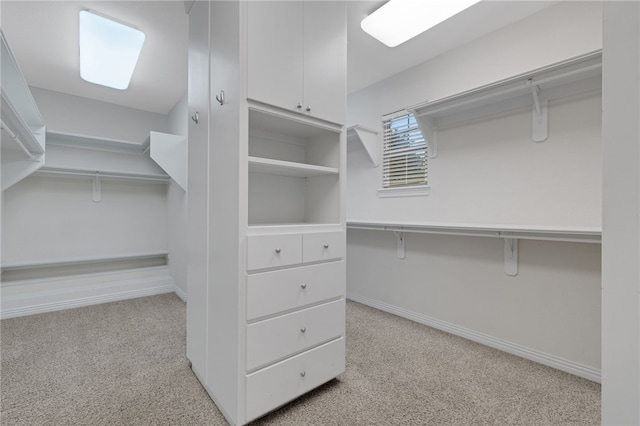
279,337
271,251
276,291
323,246
278,384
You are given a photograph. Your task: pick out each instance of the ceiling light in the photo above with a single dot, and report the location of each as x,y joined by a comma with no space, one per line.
400,20
109,50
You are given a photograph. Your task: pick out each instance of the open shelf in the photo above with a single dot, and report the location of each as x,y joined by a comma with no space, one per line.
47,171
535,88
288,168
23,129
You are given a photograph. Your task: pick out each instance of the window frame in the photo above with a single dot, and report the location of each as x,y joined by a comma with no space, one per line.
421,147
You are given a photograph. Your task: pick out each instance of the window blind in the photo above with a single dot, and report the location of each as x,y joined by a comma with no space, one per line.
404,153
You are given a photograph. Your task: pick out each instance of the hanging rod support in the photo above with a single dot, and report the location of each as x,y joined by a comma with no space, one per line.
400,237
97,190
539,119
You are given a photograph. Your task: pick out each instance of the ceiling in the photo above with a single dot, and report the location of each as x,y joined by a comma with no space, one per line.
44,38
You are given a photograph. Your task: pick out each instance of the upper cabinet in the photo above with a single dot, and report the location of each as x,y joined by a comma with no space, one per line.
297,57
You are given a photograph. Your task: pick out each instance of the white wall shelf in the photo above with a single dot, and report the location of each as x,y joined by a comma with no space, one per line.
82,260
571,77
364,137
288,168
510,233
72,140
23,129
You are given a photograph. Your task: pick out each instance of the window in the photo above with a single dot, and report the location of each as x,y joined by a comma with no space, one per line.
404,156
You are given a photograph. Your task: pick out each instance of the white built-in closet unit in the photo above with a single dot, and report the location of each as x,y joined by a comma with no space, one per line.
267,100
84,215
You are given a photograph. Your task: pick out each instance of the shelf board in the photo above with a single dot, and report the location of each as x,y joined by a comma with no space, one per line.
535,88
288,168
288,228
102,174
93,142
532,232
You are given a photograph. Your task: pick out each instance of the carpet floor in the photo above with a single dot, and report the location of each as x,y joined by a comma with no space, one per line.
124,363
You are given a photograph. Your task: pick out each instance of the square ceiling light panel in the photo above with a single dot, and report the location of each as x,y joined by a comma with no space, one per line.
400,20
109,50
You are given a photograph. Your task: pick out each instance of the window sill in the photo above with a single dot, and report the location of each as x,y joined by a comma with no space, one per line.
407,191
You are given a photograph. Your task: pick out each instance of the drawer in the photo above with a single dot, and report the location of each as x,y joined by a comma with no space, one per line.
280,337
286,289
271,251
278,384
323,246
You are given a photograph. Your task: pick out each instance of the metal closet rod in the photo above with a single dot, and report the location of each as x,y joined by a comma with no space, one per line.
16,139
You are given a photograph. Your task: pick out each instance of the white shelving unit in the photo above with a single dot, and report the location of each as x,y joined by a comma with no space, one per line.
23,129
294,169
535,88
98,158
509,233
266,208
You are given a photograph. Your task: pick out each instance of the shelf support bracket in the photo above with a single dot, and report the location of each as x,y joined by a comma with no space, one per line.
97,190
539,117
511,256
428,128
400,237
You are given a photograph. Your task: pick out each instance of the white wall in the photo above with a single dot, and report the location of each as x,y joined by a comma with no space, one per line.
48,219
177,207
621,215
73,114
53,219
491,172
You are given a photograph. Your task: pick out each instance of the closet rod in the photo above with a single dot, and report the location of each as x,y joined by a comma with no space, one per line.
16,139
102,175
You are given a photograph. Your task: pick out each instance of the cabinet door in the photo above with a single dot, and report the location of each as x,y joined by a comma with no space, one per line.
275,52
325,60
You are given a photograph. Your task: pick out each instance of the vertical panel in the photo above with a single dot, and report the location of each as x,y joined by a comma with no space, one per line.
197,197
621,213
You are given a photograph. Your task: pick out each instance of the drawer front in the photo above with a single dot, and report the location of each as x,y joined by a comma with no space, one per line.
278,384
323,246
279,337
276,291
271,251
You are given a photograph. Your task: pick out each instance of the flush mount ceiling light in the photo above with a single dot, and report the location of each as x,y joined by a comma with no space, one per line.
109,50
400,20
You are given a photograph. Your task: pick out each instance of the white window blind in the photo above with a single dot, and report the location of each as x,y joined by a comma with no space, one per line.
404,155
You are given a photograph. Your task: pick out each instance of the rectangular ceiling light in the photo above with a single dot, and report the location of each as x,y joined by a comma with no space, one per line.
400,20
109,50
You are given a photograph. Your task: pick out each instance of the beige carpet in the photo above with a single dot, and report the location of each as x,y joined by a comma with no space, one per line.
124,363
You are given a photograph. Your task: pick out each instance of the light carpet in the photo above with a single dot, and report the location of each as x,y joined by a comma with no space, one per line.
124,363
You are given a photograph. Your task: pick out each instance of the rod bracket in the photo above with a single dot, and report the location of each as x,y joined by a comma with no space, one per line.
400,237
97,188
511,256
539,115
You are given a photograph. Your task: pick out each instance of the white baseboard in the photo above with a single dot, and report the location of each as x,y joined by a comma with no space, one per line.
553,361
24,300
181,294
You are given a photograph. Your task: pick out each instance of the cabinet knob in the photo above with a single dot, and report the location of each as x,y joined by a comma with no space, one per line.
303,286
278,250
326,246
308,108
303,330
299,106
303,373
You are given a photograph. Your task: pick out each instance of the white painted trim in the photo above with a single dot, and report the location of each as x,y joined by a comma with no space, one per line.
181,294
404,191
58,299
549,360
